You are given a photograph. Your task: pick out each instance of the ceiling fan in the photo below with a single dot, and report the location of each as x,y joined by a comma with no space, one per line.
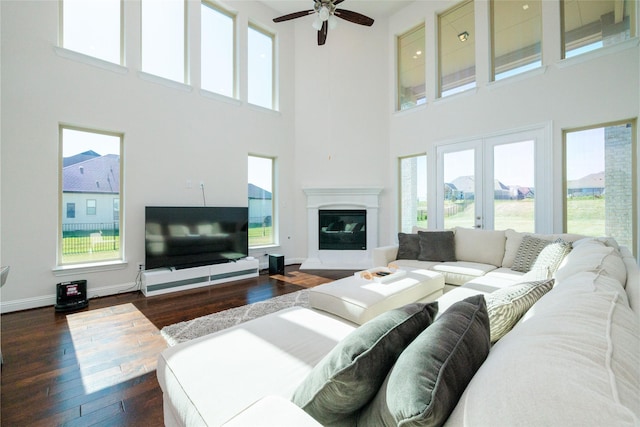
326,13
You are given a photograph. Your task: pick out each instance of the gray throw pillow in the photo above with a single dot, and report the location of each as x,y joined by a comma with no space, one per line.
528,252
431,374
408,246
351,374
507,305
437,246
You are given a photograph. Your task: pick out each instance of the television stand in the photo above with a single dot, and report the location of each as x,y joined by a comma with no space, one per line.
162,281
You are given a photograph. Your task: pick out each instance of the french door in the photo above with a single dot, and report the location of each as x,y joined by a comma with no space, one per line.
494,182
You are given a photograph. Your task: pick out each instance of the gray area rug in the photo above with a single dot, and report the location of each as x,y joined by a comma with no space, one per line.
190,329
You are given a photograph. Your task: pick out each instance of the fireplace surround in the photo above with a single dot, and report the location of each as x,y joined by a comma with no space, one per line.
344,204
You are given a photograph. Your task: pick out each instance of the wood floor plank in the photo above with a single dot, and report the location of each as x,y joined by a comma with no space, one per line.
97,366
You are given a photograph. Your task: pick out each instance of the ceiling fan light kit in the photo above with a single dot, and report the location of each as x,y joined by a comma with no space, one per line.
325,17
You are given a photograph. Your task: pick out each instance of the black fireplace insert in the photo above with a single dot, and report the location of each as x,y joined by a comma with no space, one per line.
343,229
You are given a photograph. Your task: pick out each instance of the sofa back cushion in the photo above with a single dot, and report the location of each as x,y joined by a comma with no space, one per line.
437,246
482,246
572,360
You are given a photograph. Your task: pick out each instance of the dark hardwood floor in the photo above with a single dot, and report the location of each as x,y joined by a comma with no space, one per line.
97,366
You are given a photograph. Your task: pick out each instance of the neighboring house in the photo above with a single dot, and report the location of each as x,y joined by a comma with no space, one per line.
91,186
260,206
590,185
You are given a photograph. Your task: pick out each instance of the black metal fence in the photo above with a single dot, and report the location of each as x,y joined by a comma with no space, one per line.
85,238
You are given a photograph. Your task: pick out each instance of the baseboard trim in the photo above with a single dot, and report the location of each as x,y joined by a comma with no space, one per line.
50,300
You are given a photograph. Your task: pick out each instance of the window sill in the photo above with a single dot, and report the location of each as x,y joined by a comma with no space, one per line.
66,270
219,97
411,110
164,81
599,53
263,109
516,78
90,60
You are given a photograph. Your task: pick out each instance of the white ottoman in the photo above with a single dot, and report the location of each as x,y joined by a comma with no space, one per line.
359,300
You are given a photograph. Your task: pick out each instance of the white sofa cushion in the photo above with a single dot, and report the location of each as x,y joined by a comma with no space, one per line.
481,246
273,411
593,255
206,381
572,360
460,272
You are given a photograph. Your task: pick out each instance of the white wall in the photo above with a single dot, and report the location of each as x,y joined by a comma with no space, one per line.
587,91
171,135
341,127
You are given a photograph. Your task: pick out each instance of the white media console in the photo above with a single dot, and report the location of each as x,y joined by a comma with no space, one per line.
164,280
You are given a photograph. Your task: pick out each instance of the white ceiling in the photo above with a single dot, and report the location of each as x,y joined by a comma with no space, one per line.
371,8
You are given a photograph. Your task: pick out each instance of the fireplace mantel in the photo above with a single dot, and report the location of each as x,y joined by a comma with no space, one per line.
341,198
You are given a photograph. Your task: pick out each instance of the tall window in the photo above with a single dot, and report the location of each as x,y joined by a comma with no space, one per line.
163,38
600,182
589,25
218,51
260,73
457,49
411,69
517,36
261,201
413,192
90,176
93,28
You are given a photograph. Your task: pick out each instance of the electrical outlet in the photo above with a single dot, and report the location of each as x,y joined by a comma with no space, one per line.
140,266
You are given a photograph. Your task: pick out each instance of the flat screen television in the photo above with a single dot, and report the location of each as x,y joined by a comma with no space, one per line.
183,237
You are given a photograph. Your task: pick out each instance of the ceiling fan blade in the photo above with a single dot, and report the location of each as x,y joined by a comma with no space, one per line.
322,34
355,17
293,15
337,2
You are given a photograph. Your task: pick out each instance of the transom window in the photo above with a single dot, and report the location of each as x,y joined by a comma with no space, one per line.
218,50
588,24
93,28
517,36
260,73
457,49
163,39
411,69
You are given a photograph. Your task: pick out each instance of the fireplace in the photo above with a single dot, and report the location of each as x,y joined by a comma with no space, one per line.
336,240
342,229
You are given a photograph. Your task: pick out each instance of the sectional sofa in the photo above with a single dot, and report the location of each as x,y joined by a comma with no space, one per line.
556,343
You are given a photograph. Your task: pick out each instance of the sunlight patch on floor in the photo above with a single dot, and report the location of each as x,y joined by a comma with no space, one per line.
113,345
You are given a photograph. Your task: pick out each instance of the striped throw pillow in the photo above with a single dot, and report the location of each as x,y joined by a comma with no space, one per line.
507,305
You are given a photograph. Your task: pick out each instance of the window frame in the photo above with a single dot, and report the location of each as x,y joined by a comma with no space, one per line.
400,186
634,175
421,26
62,205
185,45
465,86
633,32
272,36
219,9
121,35
274,213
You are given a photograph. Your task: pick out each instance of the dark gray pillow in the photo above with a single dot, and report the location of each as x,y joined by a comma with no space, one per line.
430,375
408,246
437,246
351,374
